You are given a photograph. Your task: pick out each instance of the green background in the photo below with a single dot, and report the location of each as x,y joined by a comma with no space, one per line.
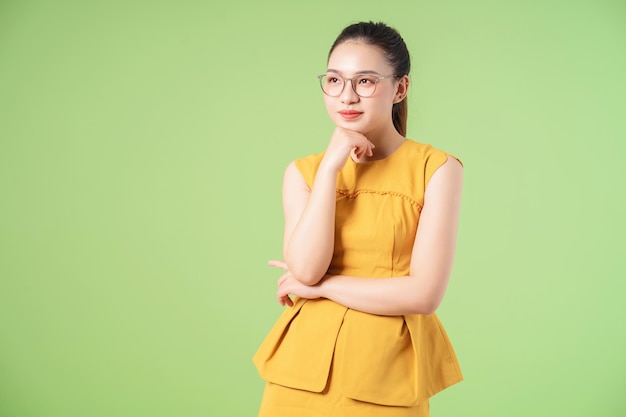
142,147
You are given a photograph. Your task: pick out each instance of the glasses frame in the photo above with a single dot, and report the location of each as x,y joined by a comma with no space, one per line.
345,80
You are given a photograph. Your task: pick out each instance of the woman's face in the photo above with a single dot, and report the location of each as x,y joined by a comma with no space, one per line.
365,115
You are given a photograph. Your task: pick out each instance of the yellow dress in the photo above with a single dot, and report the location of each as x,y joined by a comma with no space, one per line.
324,359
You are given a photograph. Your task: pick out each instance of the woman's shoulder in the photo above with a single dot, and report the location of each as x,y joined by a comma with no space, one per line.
425,156
425,160
308,165
424,151
309,161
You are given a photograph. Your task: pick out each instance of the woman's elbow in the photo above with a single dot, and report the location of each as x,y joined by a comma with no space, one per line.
306,274
306,270
425,304
430,307
308,278
423,308
427,293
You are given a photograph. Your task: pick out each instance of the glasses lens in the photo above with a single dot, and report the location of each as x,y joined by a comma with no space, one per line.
365,85
332,84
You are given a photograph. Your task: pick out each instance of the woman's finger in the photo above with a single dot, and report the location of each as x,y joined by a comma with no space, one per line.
284,299
281,280
278,264
288,301
284,277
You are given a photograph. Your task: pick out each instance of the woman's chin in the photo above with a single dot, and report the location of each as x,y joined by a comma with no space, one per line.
355,127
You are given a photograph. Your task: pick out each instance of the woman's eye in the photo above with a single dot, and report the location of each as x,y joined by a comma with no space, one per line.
333,80
367,80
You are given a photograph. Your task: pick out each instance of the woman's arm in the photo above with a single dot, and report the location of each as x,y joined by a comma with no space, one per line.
309,235
309,224
423,289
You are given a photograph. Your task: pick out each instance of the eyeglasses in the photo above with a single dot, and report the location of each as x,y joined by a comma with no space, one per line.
363,85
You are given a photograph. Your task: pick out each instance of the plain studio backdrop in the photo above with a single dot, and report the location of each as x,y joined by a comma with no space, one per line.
142,148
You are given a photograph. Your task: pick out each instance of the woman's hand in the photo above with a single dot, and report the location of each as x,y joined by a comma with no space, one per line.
342,143
287,284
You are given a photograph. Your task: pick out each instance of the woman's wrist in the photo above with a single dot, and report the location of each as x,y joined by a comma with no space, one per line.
326,167
322,286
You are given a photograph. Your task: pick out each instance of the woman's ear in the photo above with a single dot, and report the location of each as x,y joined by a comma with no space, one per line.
402,90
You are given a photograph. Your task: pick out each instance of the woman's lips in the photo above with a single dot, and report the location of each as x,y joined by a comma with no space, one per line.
350,114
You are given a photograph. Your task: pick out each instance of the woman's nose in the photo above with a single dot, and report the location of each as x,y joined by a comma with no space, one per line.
348,95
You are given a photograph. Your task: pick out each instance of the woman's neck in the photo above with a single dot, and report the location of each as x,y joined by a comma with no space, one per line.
385,144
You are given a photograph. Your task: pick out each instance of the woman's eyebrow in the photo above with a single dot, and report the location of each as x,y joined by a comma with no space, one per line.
358,72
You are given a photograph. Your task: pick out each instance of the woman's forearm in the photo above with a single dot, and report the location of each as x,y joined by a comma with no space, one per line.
309,249
385,296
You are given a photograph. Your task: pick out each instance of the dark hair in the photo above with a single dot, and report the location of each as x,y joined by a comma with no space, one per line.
392,46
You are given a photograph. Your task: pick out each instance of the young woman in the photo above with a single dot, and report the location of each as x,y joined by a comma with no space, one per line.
370,232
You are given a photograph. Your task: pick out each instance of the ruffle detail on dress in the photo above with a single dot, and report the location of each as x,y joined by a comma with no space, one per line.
351,195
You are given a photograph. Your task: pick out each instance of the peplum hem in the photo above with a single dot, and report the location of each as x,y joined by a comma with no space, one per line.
386,360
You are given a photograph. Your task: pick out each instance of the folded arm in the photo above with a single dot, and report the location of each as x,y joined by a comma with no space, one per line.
422,290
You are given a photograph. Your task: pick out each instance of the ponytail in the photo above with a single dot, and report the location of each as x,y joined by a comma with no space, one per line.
399,114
